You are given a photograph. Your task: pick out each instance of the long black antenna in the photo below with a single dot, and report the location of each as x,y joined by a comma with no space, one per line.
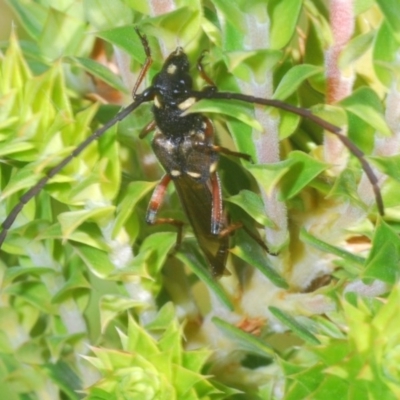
211,93
208,93
147,95
139,99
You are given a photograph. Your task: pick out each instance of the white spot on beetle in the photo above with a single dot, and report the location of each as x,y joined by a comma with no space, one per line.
200,136
187,103
194,174
157,102
213,167
175,172
171,69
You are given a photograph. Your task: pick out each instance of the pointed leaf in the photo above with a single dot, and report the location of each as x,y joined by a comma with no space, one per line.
245,341
383,262
190,256
260,262
100,71
253,205
295,326
293,79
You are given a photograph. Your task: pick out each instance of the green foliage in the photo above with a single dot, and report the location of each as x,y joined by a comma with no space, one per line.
87,286
363,362
146,368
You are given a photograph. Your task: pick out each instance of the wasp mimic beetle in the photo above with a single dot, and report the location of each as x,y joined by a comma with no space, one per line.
184,145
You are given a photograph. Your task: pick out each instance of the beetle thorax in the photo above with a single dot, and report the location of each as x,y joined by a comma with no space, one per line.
172,96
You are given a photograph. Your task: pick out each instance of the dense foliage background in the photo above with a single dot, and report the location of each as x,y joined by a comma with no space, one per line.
97,305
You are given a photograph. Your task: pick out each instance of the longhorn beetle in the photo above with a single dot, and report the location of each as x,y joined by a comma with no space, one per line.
183,143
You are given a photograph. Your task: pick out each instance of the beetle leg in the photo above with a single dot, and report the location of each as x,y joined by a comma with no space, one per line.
147,129
146,64
155,204
233,227
217,216
206,145
203,74
219,149
224,150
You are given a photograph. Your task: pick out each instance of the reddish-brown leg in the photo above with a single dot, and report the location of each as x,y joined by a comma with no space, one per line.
207,146
224,150
147,129
217,216
219,149
155,204
146,64
203,74
233,227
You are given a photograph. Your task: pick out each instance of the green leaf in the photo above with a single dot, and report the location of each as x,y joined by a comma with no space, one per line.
103,14
71,220
69,38
252,65
112,305
303,169
252,204
389,165
195,261
293,79
333,114
125,38
159,245
96,260
245,341
34,293
283,14
362,5
139,340
232,13
31,15
329,328
383,262
75,282
178,26
134,193
141,6
295,326
355,49
288,124
65,378
346,186
293,174
242,136
13,273
100,71
385,55
391,11
365,103
387,316
261,262
226,107
21,180
306,237
164,318
268,175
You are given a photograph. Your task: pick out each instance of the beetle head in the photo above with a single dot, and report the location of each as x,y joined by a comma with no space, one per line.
173,84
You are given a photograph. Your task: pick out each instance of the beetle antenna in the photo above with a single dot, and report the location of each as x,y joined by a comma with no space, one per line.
212,93
139,99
